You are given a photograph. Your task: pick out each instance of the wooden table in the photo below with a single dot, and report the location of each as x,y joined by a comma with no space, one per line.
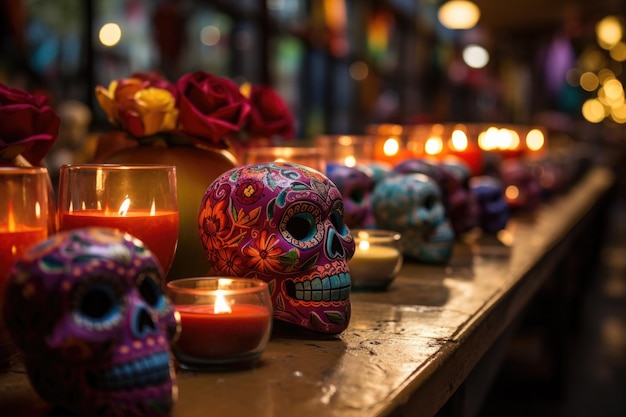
407,350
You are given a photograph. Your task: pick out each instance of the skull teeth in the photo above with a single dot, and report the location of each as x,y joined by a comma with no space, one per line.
332,288
148,371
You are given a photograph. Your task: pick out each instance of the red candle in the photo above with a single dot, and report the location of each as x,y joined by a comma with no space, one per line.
205,333
14,241
159,231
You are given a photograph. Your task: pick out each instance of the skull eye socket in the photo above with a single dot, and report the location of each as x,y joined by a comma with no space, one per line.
148,287
337,220
301,226
357,195
430,201
98,305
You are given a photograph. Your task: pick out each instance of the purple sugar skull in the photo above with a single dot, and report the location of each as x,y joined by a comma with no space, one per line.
494,210
87,311
411,204
356,185
462,207
522,189
283,223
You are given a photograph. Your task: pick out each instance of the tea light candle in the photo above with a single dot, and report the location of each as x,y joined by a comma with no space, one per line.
377,259
158,229
225,322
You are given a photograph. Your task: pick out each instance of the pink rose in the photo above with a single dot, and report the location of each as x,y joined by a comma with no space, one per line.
28,126
210,107
269,115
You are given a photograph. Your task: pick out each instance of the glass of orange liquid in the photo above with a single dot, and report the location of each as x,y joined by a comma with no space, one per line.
141,200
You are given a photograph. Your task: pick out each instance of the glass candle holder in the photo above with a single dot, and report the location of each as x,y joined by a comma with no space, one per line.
23,213
311,157
377,259
141,200
225,322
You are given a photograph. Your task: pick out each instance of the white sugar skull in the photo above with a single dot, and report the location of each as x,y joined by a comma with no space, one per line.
494,210
356,185
283,223
87,311
411,204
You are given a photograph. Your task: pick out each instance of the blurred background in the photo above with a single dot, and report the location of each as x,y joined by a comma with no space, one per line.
340,64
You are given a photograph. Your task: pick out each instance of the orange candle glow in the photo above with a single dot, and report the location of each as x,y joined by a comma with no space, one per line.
157,229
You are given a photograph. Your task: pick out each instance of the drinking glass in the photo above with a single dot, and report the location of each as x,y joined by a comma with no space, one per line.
141,200
303,155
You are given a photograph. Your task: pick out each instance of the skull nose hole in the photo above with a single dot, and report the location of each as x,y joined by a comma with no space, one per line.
144,324
290,288
335,248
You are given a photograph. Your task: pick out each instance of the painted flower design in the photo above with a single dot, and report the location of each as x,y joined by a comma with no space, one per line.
212,222
264,253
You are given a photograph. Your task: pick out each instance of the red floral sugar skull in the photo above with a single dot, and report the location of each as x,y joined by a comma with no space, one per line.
86,309
283,223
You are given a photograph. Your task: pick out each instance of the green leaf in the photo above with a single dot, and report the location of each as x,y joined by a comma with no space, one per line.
335,317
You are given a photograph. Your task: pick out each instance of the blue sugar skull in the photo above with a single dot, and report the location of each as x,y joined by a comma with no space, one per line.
411,204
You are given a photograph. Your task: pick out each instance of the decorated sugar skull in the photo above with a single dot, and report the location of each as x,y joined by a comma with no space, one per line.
411,204
521,188
430,169
494,210
356,185
462,207
283,223
87,311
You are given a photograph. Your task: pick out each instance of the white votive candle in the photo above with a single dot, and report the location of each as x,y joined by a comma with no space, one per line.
377,259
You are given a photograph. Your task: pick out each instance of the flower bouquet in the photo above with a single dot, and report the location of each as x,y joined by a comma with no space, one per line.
199,124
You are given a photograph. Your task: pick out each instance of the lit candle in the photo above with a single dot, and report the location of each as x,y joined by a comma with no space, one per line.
207,331
224,321
15,239
157,229
377,259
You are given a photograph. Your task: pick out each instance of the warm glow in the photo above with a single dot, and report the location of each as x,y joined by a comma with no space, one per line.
613,92
110,34
124,207
221,306
589,81
37,210
364,245
459,14
11,218
618,114
153,209
391,147
349,161
488,139
535,140
593,110
511,192
433,145
475,56
609,32
618,52
458,141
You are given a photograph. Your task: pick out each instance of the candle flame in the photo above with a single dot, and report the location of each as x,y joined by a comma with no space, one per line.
391,147
124,207
349,161
221,306
364,245
153,209
11,218
37,210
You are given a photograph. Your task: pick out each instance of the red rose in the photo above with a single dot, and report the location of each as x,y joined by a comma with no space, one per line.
210,107
269,115
28,126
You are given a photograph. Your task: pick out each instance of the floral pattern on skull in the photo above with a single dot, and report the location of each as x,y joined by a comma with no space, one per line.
411,204
87,311
283,223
